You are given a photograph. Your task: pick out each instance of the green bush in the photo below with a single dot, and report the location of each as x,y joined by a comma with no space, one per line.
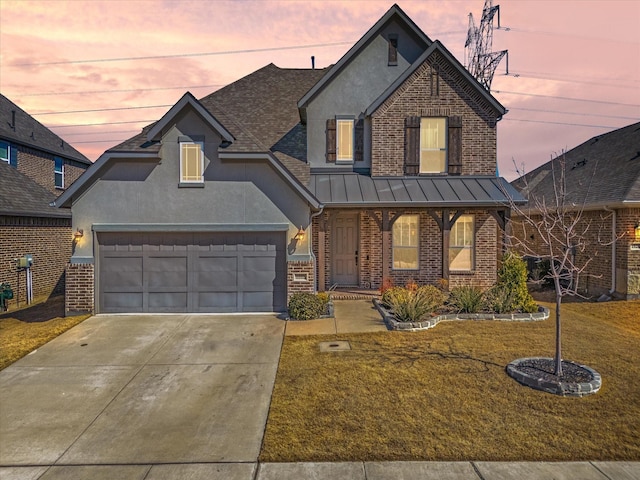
467,299
512,276
306,306
413,305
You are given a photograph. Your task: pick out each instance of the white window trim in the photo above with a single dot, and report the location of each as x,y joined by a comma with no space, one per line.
471,247
182,179
8,159
416,247
58,172
445,149
353,140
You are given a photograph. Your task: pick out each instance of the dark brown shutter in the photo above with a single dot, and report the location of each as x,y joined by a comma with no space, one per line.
412,145
359,139
454,148
331,140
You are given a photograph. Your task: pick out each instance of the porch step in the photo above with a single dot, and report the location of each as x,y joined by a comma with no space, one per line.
353,294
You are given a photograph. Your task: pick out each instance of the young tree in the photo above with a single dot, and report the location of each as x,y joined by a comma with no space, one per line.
552,227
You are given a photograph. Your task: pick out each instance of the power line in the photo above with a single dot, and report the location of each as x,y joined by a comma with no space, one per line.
566,98
184,55
103,123
102,110
558,123
590,114
124,90
559,79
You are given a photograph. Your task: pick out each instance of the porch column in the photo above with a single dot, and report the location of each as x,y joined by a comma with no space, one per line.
444,224
322,229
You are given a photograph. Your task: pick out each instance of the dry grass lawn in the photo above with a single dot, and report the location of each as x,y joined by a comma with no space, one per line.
443,394
23,331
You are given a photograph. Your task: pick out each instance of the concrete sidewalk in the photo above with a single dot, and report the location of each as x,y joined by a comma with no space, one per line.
337,471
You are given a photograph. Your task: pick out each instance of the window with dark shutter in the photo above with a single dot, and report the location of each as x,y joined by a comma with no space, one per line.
359,140
412,145
331,140
454,147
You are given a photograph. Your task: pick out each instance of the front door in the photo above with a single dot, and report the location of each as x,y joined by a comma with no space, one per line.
344,249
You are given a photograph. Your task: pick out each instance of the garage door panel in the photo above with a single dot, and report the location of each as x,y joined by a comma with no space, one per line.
123,301
166,271
123,271
168,301
218,300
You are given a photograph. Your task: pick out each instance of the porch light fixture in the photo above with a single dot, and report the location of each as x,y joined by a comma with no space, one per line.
637,230
300,235
78,235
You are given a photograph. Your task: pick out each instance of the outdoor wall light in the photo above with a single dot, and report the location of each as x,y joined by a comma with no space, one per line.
78,235
300,235
637,230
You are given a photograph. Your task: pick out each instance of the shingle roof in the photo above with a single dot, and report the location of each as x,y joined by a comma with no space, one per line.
606,168
21,196
352,189
26,130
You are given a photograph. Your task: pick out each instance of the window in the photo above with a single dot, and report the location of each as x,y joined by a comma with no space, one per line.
344,139
58,172
405,243
4,152
433,145
461,247
191,162
393,50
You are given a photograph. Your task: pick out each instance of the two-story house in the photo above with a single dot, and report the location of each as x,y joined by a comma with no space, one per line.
35,167
380,168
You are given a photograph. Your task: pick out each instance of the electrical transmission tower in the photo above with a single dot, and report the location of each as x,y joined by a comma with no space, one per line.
481,61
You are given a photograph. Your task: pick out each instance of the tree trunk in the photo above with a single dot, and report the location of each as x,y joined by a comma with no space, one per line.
558,358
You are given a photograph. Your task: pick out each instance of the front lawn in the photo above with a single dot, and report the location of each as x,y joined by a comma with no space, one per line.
443,394
23,331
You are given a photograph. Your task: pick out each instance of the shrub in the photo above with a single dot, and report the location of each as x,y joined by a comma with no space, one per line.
394,295
306,306
467,299
512,276
499,299
413,305
386,285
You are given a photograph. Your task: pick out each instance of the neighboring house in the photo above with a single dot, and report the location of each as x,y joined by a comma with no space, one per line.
35,167
602,177
380,168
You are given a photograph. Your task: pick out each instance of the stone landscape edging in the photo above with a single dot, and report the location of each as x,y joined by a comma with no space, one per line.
393,324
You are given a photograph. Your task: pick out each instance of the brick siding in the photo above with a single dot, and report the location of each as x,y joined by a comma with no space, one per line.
48,240
39,167
79,295
414,98
302,269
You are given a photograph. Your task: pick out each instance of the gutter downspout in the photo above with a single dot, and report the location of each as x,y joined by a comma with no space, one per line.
613,248
315,262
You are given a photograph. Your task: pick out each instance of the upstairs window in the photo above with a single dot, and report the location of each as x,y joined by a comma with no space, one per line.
4,152
191,162
405,242
393,50
433,145
344,139
58,172
461,244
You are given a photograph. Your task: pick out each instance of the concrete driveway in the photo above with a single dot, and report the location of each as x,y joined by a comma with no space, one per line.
140,390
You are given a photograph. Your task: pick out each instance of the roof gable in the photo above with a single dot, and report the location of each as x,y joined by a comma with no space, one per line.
187,100
437,47
395,12
18,126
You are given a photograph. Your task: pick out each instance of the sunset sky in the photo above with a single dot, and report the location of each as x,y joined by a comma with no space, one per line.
96,72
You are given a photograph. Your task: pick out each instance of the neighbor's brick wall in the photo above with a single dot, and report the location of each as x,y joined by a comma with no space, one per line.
595,226
627,260
79,293
414,98
430,252
48,240
39,167
300,268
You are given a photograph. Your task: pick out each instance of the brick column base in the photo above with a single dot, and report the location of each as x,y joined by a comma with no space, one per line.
79,289
299,277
